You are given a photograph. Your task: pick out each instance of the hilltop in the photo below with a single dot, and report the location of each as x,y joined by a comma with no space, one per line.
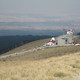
51,63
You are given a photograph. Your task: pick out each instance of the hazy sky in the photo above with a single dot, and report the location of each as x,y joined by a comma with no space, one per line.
47,7
39,11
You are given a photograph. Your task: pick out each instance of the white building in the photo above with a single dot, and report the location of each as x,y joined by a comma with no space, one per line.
68,39
52,42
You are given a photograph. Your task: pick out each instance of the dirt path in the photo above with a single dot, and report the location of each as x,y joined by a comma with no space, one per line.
22,52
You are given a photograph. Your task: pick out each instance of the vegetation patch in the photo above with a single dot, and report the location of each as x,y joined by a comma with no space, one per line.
56,52
76,66
60,74
14,78
50,79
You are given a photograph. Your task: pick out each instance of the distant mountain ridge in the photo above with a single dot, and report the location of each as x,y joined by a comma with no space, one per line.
30,32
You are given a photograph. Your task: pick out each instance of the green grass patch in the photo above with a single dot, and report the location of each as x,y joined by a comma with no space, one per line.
60,74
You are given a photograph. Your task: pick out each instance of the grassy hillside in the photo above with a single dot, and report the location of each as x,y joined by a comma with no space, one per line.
28,46
10,42
55,63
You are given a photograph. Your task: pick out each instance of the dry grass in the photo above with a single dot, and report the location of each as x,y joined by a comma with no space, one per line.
58,63
47,53
55,68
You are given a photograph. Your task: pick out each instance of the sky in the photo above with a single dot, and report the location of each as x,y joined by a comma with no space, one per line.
47,7
39,11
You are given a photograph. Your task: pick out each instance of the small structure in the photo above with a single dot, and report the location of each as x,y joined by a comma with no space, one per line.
70,31
52,42
68,39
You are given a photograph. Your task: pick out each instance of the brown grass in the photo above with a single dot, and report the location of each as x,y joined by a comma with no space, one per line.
57,63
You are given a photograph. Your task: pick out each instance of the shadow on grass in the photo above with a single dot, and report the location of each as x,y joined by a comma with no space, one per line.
46,53
53,52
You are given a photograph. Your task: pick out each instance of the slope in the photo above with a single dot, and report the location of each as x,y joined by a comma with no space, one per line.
51,63
28,46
